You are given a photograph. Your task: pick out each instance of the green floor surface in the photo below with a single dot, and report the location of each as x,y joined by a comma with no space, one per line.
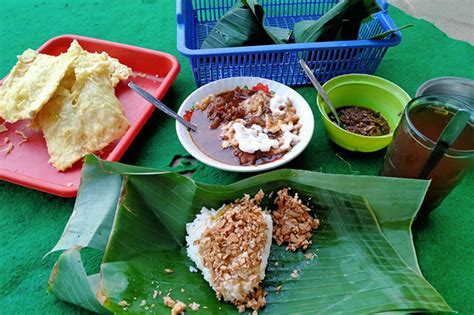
31,222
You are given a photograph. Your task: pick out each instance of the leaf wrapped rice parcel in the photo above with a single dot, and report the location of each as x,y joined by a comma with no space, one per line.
342,22
243,25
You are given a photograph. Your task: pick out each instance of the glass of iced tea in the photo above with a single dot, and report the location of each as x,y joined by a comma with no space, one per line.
423,121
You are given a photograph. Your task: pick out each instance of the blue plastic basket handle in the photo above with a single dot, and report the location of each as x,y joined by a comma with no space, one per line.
180,8
383,4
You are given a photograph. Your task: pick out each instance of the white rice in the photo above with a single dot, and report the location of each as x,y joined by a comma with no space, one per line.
203,221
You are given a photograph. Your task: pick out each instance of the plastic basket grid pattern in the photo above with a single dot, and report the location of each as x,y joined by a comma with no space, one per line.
278,62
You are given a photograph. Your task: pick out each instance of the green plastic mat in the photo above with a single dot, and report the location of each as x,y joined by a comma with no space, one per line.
31,222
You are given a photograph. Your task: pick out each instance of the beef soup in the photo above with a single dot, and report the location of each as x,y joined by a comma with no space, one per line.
245,126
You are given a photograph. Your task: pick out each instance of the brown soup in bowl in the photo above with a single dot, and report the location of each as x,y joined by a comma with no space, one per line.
245,126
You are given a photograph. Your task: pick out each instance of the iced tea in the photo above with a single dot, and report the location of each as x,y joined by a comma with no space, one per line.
413,142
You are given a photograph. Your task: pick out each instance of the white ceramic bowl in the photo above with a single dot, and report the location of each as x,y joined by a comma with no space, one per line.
302,109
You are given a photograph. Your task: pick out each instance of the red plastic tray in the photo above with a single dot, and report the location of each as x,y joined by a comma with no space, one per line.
27,165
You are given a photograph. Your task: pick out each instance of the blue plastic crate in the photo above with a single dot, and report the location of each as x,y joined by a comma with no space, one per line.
196,18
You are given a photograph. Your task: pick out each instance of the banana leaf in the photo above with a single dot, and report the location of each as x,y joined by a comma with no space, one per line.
342,22
243,25
365,261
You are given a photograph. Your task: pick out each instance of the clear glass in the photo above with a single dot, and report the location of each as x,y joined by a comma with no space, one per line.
423,121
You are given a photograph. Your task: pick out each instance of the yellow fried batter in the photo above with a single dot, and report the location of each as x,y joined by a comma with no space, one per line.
84,115
82,120
86,64
31,83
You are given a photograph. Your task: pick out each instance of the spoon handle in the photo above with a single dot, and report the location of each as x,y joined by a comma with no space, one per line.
320,89
150,98
448,136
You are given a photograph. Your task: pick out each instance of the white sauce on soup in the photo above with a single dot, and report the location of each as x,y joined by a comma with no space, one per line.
278,105
253,139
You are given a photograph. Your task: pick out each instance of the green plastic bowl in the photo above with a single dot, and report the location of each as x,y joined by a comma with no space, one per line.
367,91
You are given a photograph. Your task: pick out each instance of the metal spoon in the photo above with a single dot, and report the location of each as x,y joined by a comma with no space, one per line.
320,89
150,98
448,136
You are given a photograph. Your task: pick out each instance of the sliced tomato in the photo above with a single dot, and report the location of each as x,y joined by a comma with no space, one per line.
188,114
261,87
